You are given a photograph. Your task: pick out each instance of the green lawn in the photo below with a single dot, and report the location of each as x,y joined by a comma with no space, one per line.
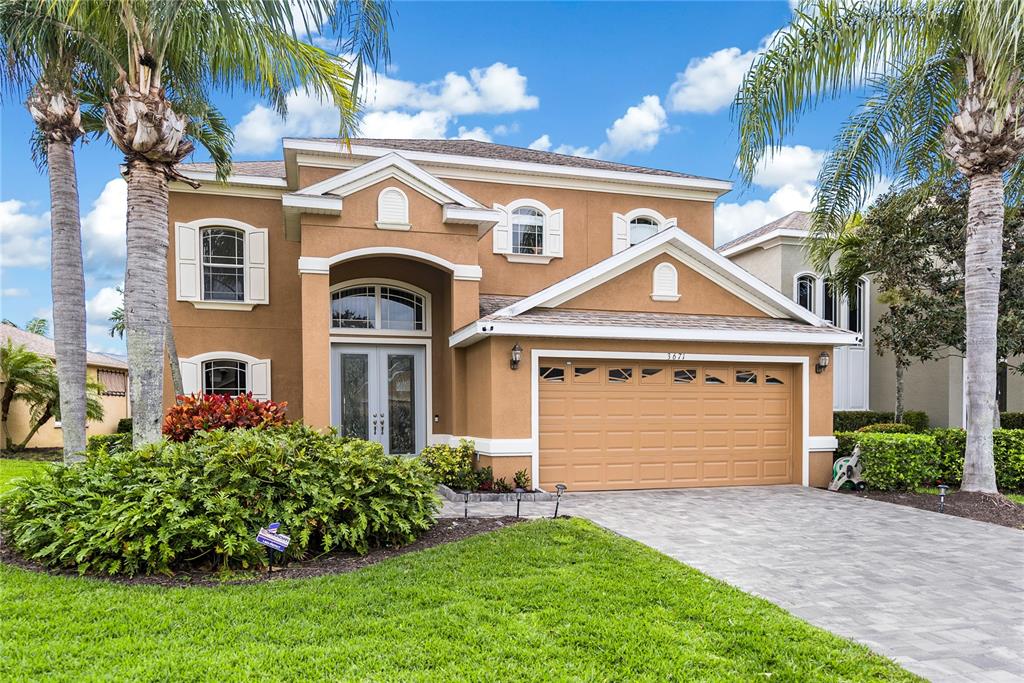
1015,497
544,600
12,469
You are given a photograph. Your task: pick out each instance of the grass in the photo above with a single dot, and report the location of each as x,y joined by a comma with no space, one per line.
13,469
543,600
1015,497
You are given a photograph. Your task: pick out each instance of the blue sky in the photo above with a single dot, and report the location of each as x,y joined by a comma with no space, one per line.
641,83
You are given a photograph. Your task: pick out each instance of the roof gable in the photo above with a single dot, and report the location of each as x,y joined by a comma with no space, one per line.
684,248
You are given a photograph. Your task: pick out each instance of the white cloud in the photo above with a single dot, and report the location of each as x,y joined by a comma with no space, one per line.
735,219
789,165
543,143
24,236
395,108
102,304
709,83
14,292
476,133
103,231
397,124
638,130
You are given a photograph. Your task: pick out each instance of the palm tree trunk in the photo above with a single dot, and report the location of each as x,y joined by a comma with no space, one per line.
145,296
900,382
67,285
983,264
43,419
172,360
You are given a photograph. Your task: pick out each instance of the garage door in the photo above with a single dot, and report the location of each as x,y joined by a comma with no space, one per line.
627,425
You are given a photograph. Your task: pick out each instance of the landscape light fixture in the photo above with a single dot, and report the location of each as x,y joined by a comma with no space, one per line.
823,361
517,355
560,489
942,496
465,497
519,498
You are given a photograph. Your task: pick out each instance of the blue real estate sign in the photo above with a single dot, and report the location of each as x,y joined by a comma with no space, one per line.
270,538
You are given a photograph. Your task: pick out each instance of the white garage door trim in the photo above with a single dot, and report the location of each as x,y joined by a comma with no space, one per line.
537,354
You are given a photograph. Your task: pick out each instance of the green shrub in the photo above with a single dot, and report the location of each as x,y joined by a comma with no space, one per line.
948,467
847,441
522,479
1011,420
852,420
450,466
124,425
893,462
109,443
172,505
1008,452
887,428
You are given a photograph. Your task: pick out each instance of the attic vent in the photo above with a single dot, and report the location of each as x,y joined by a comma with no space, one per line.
666,283
392,209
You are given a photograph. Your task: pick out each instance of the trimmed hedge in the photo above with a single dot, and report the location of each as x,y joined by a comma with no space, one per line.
1011,420
108,443
887,428
169,506
452,466
852,420
895,461
124,425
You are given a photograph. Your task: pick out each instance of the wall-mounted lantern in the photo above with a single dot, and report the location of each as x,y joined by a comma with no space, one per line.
823,361
517,355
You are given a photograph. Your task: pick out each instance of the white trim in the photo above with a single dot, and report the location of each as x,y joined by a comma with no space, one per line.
222,305
537,354
665,291
480,329
664,297
251,268
767,237
336,147
392,165
701,258
201,358
345,332
485,218
822,443
255,180
227,190
322,264
528,258
312,203
403,220
494,448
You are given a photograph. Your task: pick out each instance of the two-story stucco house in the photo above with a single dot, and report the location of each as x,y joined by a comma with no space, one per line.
864,379
569,315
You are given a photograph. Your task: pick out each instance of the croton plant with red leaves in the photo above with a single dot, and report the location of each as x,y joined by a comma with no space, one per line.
203,412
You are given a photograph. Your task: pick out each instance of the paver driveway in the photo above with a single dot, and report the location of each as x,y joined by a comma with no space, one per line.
941,595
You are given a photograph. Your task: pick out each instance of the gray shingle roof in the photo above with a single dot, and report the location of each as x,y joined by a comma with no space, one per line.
43,346
797,220
491,303
269,169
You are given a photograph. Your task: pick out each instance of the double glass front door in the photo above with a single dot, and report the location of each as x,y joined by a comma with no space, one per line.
379,394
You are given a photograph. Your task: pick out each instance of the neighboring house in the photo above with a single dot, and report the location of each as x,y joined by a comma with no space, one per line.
569,315
864,379
109,371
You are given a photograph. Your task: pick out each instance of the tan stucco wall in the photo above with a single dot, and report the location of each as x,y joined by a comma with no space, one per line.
764,264
820,468
506,413
631,291
268,331
50,436
505,466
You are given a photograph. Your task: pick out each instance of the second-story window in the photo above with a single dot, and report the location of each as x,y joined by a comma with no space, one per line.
805,291
527,231
223,264
378,307
642,227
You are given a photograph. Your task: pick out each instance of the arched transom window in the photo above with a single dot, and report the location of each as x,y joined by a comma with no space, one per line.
223,264
378,306
805,291
223,376
642,227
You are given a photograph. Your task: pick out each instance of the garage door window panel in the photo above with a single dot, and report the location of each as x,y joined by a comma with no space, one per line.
746,377
585,375
684,376
652,376
551,373
620,375
714,377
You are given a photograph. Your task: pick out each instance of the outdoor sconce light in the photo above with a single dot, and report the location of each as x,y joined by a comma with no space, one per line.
517,355
942,496
465,497
560,489
519,498
823,361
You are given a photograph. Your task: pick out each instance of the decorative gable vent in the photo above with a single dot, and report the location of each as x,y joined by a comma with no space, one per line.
666,283
392,209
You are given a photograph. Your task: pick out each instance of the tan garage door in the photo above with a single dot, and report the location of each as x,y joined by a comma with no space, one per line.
628,425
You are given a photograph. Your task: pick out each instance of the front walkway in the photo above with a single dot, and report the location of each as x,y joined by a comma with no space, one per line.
941,595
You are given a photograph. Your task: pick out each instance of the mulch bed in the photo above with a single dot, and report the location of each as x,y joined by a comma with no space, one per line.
982,507
40,454
445,531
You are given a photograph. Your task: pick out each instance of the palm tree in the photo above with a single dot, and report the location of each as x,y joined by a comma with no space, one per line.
946,96
46,58
43,399
169,54
37,326
21,371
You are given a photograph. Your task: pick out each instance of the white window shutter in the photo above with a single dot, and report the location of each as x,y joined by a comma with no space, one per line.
666,283
259,379
553,233
502,231
257,284
620,233
191,381
392,206
187,268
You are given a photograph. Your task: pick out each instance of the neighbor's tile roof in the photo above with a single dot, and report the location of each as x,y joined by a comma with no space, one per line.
491,304
797,220
37,343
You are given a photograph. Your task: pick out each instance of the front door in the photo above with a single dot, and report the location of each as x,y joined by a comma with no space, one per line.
379,394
